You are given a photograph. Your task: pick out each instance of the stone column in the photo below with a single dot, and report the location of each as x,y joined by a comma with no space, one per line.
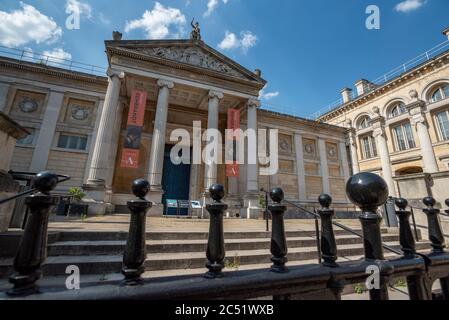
300,168
344,161
4,89
96,185
47,132
381,142
210,169
100,157
418,120
156,164
353,151
324,165
252,170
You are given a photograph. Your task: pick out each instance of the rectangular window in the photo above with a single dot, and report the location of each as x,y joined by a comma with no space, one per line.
368,147
404,137
28,140
443,124
72,142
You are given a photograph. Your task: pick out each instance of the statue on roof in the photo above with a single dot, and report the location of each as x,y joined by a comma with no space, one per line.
196,32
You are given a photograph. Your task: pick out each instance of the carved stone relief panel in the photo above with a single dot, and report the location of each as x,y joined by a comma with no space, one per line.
309,146
80,111
332,151
193,56
285,143
28,104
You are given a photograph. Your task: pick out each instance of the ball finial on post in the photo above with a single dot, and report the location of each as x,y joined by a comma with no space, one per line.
140,188
217,192
325,200
401,203
367,190
277,195
45,181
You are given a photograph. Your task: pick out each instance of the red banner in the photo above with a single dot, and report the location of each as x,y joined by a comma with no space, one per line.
232,169
131,145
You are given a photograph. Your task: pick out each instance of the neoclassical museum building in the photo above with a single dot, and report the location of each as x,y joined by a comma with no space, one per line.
81,125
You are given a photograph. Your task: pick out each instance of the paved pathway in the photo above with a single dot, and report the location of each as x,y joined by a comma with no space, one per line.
158,224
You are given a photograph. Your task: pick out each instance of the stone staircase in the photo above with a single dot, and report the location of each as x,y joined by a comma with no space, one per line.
178,253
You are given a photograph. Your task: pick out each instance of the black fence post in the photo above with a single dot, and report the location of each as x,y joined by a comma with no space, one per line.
33,245
135,251
215,245
405,230
435,232
278,239
369,191
328,243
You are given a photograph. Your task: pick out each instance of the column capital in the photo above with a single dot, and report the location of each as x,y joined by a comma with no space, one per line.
114,73
418,118
253,103
216,94
379,132
165,83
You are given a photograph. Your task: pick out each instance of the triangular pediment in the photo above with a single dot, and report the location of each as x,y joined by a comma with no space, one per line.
188,53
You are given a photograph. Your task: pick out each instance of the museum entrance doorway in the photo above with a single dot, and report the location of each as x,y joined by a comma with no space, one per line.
176,185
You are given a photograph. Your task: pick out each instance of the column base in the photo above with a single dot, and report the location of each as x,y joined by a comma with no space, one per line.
234,207
99,200
155,196
251,207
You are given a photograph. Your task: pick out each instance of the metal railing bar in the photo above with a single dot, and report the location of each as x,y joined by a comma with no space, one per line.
22,194
350,230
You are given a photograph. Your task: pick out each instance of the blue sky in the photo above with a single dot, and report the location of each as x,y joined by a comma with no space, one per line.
307,50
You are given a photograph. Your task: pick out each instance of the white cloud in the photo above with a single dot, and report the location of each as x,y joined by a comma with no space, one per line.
246,41
263,95
159,22
212,5
409,5
83,8
26,25
57,54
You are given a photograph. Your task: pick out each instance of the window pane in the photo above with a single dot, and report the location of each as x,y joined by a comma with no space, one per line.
374,147
409,133
83,143
28,140
443,122
400,138
446,91
73,141
62,143
436,96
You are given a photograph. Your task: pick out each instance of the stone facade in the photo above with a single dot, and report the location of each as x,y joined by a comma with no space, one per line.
78,124
400,129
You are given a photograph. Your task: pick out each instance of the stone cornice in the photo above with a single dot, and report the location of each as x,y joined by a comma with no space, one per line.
304,121
11,127
388,86
52,71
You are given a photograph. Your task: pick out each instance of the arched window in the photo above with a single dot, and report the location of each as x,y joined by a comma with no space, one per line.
363,123
440,93
397,109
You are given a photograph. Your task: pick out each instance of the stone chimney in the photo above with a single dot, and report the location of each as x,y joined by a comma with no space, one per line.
346,94
363,86
446,32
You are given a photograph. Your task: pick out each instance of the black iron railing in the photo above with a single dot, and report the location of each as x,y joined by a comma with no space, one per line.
28,177
315,281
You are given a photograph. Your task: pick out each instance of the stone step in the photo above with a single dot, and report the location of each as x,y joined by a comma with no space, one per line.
113,235
117,247
104,264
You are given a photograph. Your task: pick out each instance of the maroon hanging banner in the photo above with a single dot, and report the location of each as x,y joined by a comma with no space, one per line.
131,145
232,169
